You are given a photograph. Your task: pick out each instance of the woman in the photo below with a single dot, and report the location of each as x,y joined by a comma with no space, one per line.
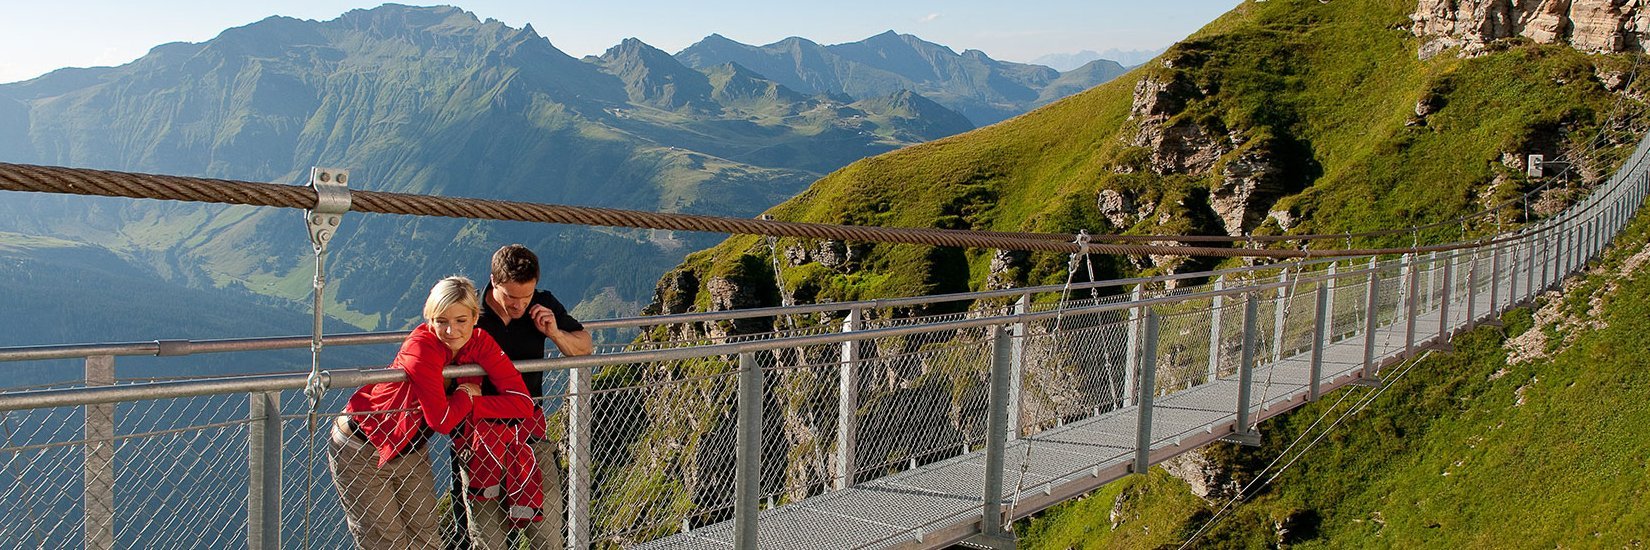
378,458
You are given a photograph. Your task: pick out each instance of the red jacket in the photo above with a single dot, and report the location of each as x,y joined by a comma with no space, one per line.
422,400
501,465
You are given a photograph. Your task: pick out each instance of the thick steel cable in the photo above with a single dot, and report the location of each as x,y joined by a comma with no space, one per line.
80,181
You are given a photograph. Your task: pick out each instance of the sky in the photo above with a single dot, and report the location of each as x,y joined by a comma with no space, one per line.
38,37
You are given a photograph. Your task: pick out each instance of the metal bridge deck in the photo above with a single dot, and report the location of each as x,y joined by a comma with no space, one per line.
939,504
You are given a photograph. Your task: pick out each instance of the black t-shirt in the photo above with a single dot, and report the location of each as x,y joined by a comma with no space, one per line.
520,339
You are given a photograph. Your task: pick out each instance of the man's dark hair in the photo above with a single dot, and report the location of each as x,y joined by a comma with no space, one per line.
515,264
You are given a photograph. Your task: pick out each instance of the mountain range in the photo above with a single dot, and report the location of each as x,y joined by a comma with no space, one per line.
983,89
436,100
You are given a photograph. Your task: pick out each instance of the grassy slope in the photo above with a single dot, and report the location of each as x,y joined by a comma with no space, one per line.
1327,88
1444,459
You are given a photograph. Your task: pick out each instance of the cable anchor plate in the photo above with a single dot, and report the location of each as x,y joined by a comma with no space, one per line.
332,200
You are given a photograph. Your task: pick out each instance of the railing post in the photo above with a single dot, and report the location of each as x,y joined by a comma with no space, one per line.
579,481
1318,337
263,487
1546,262
1333,282
1569,248
1131,364
99,488
847,411
1444,298
1512,273
1432,279
1002,356
1373,298
1148,383
1495,279
1242,433
1529,271
1215,306
1412,277
1593,241
1471,317
1277,316
1017,363
1558,255
747,479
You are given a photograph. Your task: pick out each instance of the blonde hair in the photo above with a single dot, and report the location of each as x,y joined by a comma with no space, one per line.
449,291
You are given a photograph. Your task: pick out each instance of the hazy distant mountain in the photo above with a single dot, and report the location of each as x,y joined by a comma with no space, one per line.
426,100
1067,61
971,83
1079,79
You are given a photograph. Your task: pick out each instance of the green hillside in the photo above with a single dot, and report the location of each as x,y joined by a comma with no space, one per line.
1294,117
1279,117
1467,450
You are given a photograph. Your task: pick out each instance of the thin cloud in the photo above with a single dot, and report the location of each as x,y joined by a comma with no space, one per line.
930,18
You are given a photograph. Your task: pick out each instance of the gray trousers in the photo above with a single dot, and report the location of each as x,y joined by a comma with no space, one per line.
387,508
489,527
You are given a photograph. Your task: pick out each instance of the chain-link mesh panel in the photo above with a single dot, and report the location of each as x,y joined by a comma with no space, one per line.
922,399
154,474
1074,367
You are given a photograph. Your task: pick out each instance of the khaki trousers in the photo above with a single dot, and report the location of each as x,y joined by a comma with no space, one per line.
489,527
387,508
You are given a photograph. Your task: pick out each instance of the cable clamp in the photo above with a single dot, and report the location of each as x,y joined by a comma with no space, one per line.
1082,252
332,200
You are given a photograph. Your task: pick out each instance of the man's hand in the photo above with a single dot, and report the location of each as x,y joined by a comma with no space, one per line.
544,319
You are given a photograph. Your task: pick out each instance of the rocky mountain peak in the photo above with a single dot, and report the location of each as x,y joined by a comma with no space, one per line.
653,77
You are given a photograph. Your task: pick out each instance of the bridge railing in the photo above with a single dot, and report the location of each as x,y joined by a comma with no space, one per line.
671,441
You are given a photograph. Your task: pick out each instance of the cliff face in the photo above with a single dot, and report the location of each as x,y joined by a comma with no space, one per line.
1589,25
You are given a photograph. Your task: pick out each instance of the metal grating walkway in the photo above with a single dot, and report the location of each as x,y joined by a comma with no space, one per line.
939,504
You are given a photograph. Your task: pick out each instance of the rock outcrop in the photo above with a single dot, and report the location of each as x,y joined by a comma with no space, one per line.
1177,146
1249,185
1471,25
1207,478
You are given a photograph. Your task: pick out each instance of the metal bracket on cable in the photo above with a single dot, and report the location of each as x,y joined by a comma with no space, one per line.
332,200
1082,243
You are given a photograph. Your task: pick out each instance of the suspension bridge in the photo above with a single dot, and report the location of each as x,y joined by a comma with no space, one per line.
845,427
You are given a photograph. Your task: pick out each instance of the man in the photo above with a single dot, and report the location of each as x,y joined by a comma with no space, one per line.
520,318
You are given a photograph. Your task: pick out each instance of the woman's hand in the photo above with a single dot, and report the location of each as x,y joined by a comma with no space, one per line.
470,388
